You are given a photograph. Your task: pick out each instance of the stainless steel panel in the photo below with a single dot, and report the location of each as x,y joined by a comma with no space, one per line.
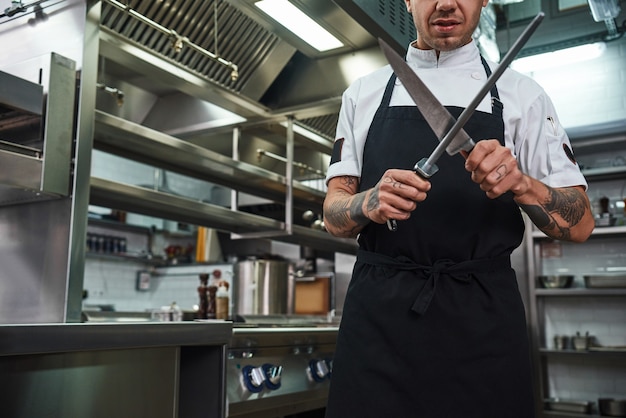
90,16
21,95
33,256
122,383
57,338
59,126
20,178
122,370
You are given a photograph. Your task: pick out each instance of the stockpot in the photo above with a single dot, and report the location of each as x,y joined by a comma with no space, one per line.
262,287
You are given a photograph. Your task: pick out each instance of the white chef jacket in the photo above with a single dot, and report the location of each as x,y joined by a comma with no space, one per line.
531,126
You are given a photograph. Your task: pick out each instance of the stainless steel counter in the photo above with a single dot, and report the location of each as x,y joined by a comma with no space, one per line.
55,338
120,369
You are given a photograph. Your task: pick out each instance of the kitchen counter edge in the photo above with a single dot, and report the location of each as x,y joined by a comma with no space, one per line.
22,339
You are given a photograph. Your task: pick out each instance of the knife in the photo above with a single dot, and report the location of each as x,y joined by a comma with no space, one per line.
452,137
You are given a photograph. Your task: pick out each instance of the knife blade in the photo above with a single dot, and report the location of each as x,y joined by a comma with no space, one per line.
455,138
436,115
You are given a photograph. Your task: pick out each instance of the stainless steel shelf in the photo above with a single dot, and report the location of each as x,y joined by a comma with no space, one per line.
604,173
556,414
581,292
127,139
599,231
145,201
592,353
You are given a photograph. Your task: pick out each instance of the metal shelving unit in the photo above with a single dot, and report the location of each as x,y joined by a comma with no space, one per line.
540,297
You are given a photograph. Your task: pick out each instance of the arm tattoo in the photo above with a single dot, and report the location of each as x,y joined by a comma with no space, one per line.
372,202
348,181
356,210
348,214
566,203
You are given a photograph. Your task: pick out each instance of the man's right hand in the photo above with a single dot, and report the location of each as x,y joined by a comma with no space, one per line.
395,196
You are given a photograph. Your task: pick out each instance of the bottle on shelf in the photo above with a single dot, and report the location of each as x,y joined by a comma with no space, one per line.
203,306
211,302
221,300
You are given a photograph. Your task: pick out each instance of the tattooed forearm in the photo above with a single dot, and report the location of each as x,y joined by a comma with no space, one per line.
545,221
567,204
356,210
347,214
372,202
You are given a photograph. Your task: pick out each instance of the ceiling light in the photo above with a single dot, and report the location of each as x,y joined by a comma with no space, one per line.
299,23
559,58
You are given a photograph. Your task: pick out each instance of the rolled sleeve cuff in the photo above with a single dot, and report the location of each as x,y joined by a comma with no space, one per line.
342,168
566,179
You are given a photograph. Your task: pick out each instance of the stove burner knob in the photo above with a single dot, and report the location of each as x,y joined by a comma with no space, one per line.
253,378
272,375
318,370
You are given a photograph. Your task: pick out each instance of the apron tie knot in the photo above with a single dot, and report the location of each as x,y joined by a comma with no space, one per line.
461,271
433,273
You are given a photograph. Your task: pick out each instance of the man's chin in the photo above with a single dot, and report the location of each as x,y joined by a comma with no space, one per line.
449,43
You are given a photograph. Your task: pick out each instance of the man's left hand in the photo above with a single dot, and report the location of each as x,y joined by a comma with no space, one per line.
495,169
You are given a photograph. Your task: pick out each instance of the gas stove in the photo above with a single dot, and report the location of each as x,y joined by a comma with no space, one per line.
279,367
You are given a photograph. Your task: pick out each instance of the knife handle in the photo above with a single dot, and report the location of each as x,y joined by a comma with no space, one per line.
392,225
424,171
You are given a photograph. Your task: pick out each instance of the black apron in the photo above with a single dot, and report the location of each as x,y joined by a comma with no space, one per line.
433,325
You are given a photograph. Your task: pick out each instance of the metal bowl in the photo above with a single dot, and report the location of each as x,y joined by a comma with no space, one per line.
612,407
555,282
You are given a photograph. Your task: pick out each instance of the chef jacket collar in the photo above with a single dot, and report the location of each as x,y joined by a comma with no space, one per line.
427,58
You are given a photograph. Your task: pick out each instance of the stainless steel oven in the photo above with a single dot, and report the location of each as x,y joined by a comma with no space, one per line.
281,369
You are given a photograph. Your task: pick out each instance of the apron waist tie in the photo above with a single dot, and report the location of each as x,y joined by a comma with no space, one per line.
457,271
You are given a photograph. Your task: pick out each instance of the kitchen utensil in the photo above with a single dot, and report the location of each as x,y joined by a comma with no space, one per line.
612,407
437,115
582,342
607,280
568,405
555,281
605,219
561,342
262,287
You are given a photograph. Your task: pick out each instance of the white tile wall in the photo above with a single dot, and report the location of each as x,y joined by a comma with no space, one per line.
587,379
113,282
590,92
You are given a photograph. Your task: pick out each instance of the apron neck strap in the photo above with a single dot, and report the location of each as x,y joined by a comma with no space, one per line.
496,104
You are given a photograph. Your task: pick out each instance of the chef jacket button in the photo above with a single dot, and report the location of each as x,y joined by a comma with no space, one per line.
398,82
476,76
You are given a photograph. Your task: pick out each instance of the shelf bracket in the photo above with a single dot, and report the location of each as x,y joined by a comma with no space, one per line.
287,226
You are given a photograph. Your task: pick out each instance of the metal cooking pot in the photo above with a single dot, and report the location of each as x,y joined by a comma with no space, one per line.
262,287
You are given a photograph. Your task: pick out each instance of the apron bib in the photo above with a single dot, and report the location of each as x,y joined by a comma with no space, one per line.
433,324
